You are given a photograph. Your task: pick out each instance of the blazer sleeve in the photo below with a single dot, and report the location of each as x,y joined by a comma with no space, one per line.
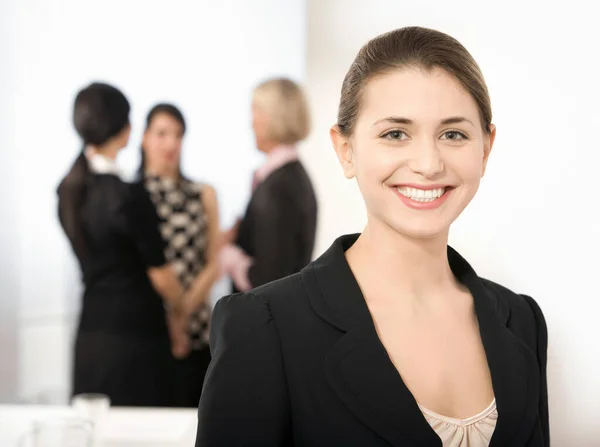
244,399
542,356
275,218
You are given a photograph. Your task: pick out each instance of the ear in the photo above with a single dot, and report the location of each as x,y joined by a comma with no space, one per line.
343,150
487,147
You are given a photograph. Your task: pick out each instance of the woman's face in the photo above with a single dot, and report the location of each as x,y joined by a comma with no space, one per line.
162,144
418,151
260,127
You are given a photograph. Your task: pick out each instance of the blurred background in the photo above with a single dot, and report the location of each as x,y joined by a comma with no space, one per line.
533,226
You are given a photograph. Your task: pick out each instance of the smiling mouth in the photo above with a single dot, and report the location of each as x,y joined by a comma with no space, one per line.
422,195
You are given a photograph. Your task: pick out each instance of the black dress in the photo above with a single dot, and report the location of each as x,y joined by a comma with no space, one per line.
279,225
122,347
184,227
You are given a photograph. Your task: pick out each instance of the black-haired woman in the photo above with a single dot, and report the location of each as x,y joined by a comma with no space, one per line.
189,223
122,344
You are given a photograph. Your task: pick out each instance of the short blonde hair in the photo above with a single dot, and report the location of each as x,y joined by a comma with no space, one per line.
287,108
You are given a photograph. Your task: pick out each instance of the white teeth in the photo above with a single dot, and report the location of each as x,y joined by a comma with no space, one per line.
421,195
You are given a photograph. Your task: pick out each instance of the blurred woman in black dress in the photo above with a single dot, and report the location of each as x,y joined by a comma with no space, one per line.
189,223
122,343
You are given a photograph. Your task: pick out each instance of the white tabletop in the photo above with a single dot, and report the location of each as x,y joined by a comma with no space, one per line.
123,427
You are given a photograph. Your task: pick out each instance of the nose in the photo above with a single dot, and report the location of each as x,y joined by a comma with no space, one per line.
426,160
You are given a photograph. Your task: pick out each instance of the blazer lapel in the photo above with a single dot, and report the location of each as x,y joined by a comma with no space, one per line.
513,367
358,368
360,372
363,377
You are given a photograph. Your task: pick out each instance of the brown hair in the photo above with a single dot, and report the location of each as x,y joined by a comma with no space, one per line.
284,102
411,47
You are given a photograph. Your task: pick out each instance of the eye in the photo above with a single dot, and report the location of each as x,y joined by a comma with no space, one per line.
395,135
454,135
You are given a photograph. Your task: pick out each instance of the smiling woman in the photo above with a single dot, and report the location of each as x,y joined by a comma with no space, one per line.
419,131
390,337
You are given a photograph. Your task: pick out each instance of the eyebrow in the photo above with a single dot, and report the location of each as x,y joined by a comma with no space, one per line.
457,120
402,120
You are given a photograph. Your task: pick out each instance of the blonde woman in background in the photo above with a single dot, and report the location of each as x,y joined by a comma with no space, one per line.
276,236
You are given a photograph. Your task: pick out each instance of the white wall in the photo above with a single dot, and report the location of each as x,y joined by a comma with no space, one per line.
533,225
9,247
203,55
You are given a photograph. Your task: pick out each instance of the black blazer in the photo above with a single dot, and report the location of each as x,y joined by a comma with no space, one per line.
298,363
278,228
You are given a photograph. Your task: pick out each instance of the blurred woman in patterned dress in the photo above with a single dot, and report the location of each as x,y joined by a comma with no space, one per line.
189,223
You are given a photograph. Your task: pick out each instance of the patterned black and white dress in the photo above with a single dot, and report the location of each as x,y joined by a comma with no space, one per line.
184,227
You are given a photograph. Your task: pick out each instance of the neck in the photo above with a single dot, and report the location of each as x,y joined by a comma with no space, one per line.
108,150
416,269
164,172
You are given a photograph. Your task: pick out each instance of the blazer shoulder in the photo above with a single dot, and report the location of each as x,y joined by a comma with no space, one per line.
522,312
261,299
518,302
247,306
289,290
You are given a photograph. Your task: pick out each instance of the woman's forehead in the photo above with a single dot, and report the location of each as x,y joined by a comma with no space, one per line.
416,95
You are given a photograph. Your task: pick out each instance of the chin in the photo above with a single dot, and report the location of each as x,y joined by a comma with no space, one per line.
171,164
421,229
259,148
423,234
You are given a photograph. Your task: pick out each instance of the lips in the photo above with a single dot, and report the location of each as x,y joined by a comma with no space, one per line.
423,196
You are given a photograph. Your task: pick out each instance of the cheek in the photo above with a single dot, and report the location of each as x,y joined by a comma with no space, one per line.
261,128
372,173
467,166
177,153
260,124
376,167
153,148
467,170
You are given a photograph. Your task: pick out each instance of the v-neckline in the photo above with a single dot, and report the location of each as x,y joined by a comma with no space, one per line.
363,376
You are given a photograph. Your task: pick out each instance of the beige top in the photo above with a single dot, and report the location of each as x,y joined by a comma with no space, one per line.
475,431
